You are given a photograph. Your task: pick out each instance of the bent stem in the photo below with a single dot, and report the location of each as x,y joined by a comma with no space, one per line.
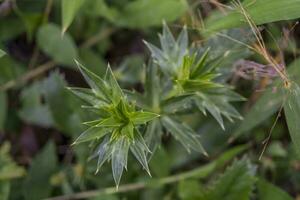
199,173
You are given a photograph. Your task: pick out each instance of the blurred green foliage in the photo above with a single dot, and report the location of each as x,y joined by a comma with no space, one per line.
40,118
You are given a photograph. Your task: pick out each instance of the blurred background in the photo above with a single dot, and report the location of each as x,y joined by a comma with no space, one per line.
39,118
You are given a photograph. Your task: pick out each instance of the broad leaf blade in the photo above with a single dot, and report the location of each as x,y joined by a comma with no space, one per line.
268,191
61,49
260,11
292,114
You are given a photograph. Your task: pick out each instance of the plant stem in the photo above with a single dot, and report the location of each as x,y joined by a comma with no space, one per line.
28,76
50,64
200,172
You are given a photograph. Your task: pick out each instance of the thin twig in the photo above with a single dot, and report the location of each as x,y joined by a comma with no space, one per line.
50,64
28,76
95,39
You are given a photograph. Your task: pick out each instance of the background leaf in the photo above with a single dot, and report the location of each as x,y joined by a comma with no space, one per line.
3,109
37,183
268,191
2,53
61,48
292,114
69,10
260,11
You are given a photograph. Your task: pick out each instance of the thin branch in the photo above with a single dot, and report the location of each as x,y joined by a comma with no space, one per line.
199,173
50,64
28,76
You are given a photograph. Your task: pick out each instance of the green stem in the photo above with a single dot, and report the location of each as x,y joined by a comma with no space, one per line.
200,173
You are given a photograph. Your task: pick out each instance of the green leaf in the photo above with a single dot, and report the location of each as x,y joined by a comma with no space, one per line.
183,134
8,168
33,110
37,183
235,184
92,134
139,14
292,114
153,135
103,152
69,10
268,191
87,95
260,11
116,91
61,48
141,117
64,108
119,158
139,150
109,122
3,109
152,86
97,84
190,190
2,53
269,102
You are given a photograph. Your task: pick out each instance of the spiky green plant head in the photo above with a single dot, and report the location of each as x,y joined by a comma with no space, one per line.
117,123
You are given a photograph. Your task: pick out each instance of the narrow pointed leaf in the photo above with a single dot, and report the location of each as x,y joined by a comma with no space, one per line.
116,90
119,158
200,64
140,155
69,11
183,134
94,81
183,42
87,95
141,117
92,134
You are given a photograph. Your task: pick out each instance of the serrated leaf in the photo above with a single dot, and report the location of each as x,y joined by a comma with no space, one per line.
141,117
235,184
268,191
292,114
183,134
69,10
61,49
